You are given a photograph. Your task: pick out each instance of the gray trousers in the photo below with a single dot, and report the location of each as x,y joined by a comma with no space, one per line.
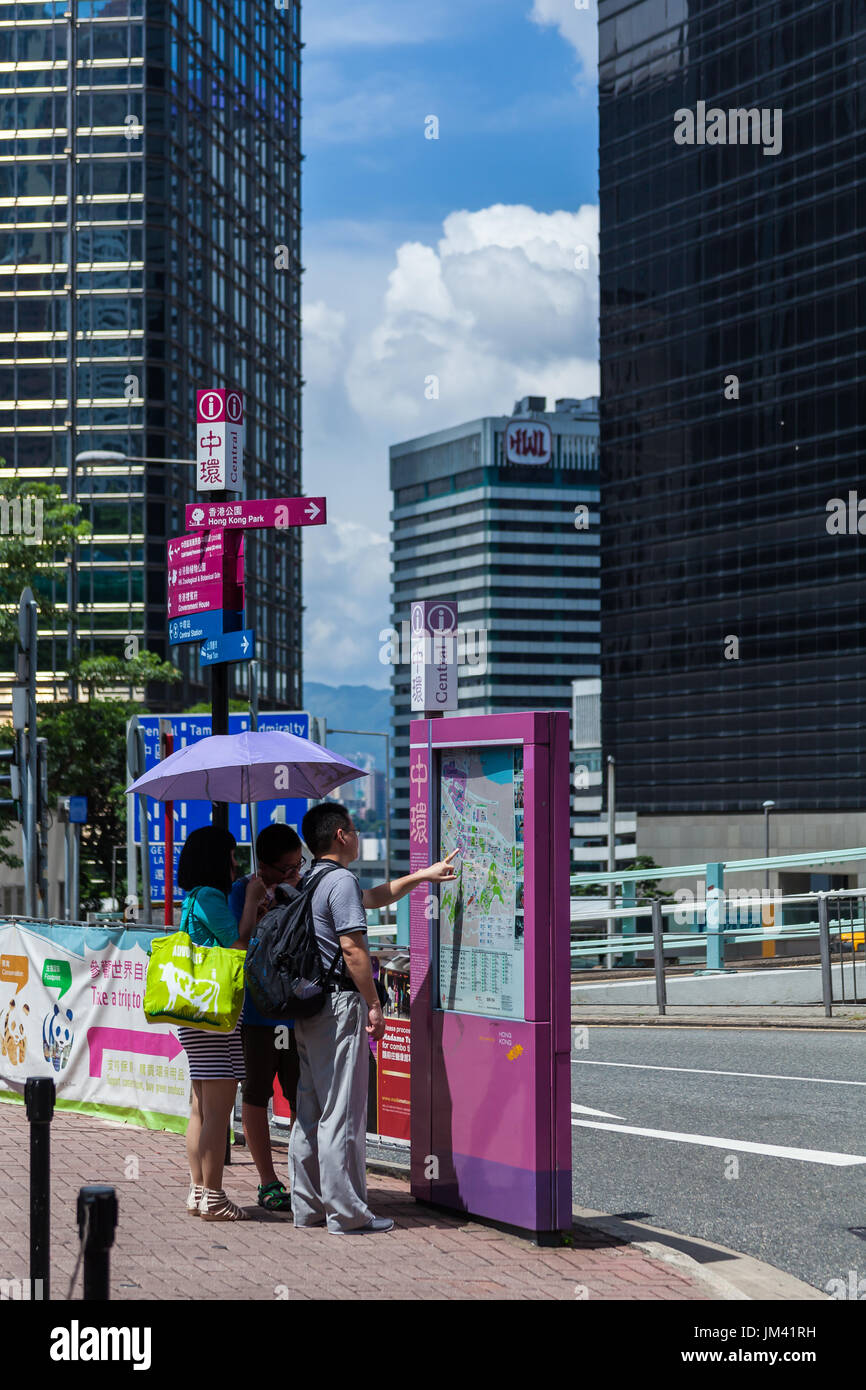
328,1147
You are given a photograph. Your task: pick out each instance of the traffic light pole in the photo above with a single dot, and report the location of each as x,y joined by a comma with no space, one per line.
24,722
42,817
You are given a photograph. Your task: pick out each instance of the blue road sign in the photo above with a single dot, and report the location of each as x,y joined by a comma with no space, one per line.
78,810
190,815
203,627
231,646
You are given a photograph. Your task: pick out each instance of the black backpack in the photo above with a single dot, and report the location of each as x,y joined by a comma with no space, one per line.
284,971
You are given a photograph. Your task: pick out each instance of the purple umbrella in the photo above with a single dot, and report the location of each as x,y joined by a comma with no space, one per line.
247,767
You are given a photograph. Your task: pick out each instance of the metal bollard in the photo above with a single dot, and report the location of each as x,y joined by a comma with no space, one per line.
39,1097
97,1219
659,957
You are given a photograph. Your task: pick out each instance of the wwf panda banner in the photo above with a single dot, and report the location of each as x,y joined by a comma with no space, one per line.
71,1009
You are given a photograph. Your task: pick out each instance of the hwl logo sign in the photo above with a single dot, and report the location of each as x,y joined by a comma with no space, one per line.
735,127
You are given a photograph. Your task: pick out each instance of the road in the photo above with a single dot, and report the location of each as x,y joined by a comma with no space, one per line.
768,1158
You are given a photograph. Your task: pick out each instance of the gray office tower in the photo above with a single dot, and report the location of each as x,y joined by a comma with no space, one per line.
517,545
179,194
733,305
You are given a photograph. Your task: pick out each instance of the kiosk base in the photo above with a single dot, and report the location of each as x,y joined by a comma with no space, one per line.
548,1239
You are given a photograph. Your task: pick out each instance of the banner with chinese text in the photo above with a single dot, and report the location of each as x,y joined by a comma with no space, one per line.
71,1009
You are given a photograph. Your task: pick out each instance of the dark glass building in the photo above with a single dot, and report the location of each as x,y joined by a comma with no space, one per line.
733,310
185,272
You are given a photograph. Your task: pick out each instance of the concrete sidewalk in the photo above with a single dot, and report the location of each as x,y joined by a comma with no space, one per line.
162,1253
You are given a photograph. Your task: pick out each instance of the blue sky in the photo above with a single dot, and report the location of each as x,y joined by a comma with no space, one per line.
452,256
514,127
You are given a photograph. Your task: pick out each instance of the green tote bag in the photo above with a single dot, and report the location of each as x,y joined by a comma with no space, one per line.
196,986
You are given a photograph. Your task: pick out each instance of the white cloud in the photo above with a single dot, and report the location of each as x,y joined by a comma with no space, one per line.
495,308
345,600
323,332
344,24
579,27
344,106
353,24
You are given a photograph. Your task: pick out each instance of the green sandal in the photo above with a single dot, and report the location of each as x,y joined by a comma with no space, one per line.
274,1197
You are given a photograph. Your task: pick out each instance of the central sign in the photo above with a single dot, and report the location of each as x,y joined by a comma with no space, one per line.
219,439
433,656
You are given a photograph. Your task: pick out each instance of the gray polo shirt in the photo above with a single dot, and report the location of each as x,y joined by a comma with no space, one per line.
337,908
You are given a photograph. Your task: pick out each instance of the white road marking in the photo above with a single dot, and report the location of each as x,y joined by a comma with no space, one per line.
836,1160
587,1110
707,1071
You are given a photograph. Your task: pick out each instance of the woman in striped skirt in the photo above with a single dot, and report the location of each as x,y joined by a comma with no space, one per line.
216,1062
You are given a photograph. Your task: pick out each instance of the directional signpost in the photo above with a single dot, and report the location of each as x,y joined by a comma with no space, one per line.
231,646
271,513
202,627
206,567
204,573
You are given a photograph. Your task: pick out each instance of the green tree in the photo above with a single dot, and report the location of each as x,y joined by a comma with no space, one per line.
649,887
204,707
87,756
97,675
37,529
646,888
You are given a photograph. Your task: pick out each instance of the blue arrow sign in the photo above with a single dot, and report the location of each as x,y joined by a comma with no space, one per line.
230,646
203,627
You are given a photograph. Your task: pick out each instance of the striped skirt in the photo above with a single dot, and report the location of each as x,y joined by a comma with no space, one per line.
213,1056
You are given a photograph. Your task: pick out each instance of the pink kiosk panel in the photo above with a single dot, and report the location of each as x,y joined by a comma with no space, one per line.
490,968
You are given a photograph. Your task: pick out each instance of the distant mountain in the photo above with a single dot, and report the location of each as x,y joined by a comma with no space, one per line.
351,707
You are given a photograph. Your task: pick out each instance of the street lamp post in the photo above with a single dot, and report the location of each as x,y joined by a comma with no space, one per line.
611,851
110,456
768,806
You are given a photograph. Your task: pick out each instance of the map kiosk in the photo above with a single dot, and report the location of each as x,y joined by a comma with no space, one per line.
490,968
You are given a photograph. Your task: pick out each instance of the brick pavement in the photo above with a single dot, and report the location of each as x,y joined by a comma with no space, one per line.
162,1253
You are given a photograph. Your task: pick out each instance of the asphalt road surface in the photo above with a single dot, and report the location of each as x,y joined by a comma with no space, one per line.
752,1138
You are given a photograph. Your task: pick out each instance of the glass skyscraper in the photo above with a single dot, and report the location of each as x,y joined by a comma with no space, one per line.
185,272
517,545
733,309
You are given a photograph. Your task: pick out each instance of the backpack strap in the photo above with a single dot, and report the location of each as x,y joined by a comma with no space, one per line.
326,866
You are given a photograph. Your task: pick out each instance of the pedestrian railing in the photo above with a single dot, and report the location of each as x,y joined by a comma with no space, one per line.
835,920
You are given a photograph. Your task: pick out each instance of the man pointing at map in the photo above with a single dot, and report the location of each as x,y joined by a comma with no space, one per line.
328,1147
